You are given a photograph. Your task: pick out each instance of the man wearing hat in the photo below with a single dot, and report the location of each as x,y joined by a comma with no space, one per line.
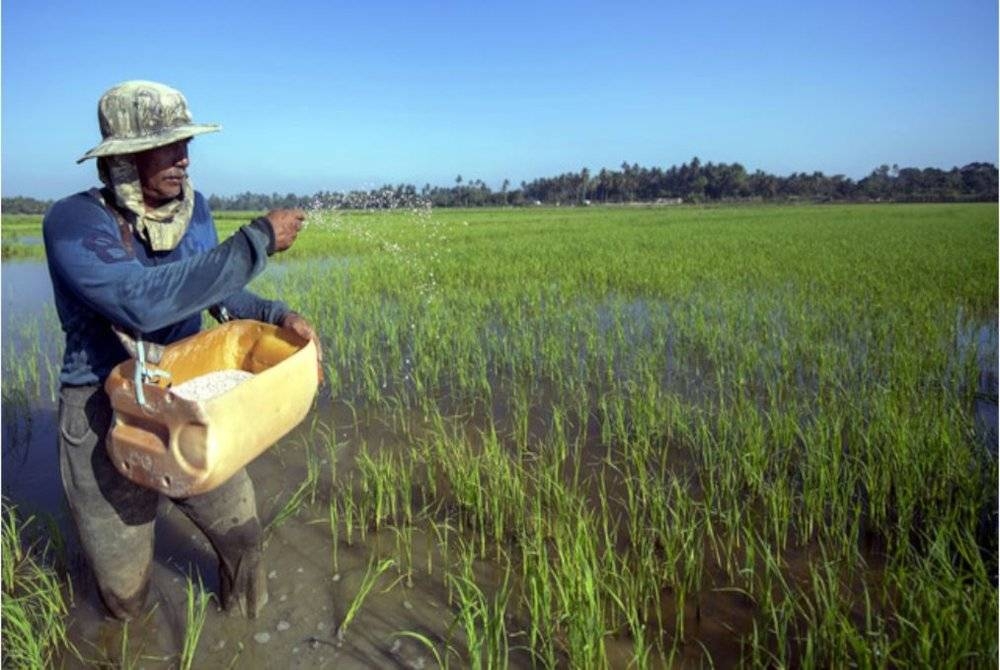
141,255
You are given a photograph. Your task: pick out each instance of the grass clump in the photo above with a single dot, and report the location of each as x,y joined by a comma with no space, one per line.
34,603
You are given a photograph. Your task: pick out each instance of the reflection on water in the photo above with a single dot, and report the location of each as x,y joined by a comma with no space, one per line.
28,321
982,342
26,291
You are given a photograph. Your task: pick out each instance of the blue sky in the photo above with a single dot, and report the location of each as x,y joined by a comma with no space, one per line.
331,95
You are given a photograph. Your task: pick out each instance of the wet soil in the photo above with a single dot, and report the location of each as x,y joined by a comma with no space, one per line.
309,596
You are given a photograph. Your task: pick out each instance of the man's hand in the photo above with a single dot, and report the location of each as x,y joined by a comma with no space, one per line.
286,224
297,324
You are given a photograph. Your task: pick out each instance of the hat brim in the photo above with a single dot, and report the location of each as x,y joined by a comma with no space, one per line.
117,147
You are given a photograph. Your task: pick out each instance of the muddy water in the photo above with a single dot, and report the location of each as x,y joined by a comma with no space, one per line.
308,600
28,432
983,340
309,596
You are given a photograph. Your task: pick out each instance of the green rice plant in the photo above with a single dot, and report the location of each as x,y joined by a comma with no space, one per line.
195,612
483,620
123,654
372,573
634,406
404,549
773,638
768,642
295,502
312,468
831,638
578,589
677,530
349,515
106,657
333,511
426,643
945,614
328,434
540,598
442,532
633,586
378,489
34,606
759,381
777,503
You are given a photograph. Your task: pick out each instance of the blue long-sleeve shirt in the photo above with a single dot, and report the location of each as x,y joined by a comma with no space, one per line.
97,281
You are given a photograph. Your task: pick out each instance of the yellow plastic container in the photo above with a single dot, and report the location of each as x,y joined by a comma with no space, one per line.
184,447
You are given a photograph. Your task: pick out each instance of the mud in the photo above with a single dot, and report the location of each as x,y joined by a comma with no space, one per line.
308,594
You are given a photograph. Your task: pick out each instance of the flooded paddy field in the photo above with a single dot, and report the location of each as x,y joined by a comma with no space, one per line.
586,438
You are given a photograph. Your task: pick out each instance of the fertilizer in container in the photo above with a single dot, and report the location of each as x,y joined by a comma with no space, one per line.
237,389
212,384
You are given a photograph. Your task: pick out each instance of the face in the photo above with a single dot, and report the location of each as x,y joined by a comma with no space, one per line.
161,172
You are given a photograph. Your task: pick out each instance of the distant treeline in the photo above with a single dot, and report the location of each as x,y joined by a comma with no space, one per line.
693,182
21,205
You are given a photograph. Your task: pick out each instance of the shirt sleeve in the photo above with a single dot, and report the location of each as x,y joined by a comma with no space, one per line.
245,304
85,251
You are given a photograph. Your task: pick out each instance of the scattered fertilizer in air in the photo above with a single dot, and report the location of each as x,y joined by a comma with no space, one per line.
419,253
212,384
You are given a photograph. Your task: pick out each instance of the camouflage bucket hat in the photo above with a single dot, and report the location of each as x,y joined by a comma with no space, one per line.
140,115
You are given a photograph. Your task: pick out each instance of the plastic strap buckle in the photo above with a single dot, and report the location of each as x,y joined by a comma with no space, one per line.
142,352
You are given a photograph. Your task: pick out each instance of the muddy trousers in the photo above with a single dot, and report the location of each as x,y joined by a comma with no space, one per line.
115,518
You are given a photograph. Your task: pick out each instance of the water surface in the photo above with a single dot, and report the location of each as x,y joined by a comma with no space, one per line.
308,595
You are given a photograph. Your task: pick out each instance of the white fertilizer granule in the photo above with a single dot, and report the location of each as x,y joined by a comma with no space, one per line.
212,384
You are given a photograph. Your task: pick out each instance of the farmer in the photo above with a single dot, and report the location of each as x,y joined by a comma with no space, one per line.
141,254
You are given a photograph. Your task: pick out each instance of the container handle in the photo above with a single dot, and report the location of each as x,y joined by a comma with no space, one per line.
142,352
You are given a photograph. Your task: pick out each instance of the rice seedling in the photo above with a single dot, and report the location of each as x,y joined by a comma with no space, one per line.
196,610
333,510
426,643
404,549
482,618
34,606
350,516
295,502
372,573
634,413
